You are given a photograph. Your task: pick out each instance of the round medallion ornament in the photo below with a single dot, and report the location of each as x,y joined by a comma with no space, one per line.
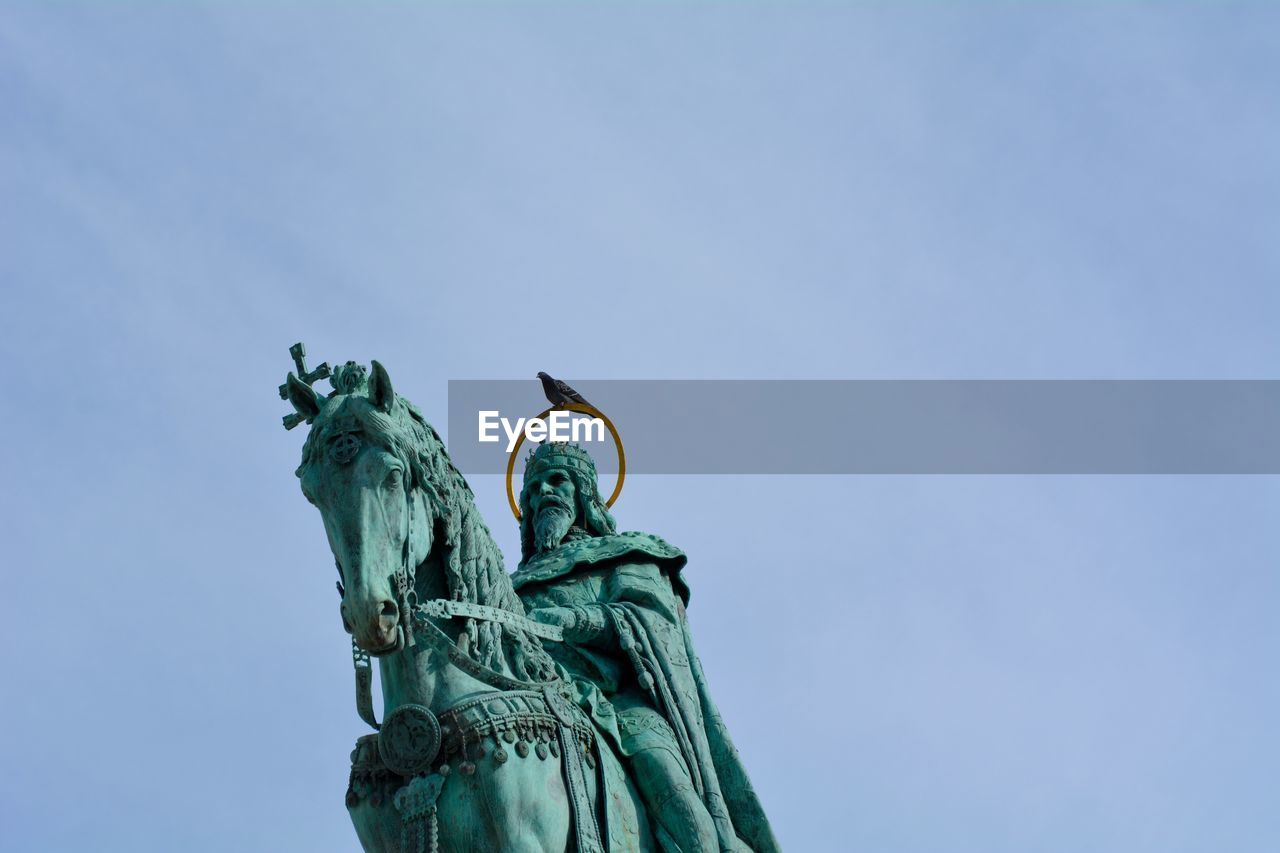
409,740
344,448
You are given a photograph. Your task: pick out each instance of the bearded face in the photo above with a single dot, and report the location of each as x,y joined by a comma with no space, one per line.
554,504
550,526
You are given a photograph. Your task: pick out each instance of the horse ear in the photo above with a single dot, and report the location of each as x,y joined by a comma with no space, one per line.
304,398
380,391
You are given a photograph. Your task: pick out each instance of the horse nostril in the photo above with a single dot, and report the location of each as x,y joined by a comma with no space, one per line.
389,609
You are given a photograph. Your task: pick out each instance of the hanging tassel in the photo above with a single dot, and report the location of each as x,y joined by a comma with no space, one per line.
416,803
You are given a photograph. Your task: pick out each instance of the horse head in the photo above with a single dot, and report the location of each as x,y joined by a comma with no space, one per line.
366,465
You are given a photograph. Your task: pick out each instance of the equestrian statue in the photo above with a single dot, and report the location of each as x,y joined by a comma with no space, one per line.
561,708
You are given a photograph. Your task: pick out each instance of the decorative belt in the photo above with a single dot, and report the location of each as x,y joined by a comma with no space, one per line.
413,741
520,719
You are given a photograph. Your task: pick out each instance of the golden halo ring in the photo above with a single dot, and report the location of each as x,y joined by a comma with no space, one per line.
581,409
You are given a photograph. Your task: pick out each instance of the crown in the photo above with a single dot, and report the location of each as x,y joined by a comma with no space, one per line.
350,378
559,455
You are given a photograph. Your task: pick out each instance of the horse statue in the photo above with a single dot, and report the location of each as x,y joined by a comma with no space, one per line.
482,746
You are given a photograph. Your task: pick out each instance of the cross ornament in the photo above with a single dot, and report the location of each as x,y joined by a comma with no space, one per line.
299,353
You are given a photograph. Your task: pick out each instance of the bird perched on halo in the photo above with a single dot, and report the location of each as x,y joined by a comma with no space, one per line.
560,393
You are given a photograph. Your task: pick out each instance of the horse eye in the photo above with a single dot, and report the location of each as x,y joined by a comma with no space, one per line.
394,478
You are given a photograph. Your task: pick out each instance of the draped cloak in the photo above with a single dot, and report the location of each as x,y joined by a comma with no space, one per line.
637,579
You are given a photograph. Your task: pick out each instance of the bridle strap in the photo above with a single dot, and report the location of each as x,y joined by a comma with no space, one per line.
405,578
359,657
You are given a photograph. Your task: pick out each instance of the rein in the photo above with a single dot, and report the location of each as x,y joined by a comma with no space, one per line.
445,608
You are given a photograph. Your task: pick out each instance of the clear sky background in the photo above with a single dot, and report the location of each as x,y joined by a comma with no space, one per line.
761,190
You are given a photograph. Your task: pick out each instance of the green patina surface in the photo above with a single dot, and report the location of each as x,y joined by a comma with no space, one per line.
494,735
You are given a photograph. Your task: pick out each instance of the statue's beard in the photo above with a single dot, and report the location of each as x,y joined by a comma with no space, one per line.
551,526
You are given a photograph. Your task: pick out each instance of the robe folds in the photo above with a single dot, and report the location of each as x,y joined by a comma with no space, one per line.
645,654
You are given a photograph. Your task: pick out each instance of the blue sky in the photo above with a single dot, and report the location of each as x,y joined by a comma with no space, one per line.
860,190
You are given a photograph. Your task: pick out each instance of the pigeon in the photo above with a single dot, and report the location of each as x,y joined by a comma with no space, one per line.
559,393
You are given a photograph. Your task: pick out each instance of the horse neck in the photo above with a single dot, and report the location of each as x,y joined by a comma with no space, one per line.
469,569
475,569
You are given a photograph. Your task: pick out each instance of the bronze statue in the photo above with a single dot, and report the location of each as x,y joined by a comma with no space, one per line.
496,736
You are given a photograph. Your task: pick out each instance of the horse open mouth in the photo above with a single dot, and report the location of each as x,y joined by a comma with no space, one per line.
391,648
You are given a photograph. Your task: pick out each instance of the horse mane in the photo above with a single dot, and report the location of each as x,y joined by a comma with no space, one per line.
473,565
